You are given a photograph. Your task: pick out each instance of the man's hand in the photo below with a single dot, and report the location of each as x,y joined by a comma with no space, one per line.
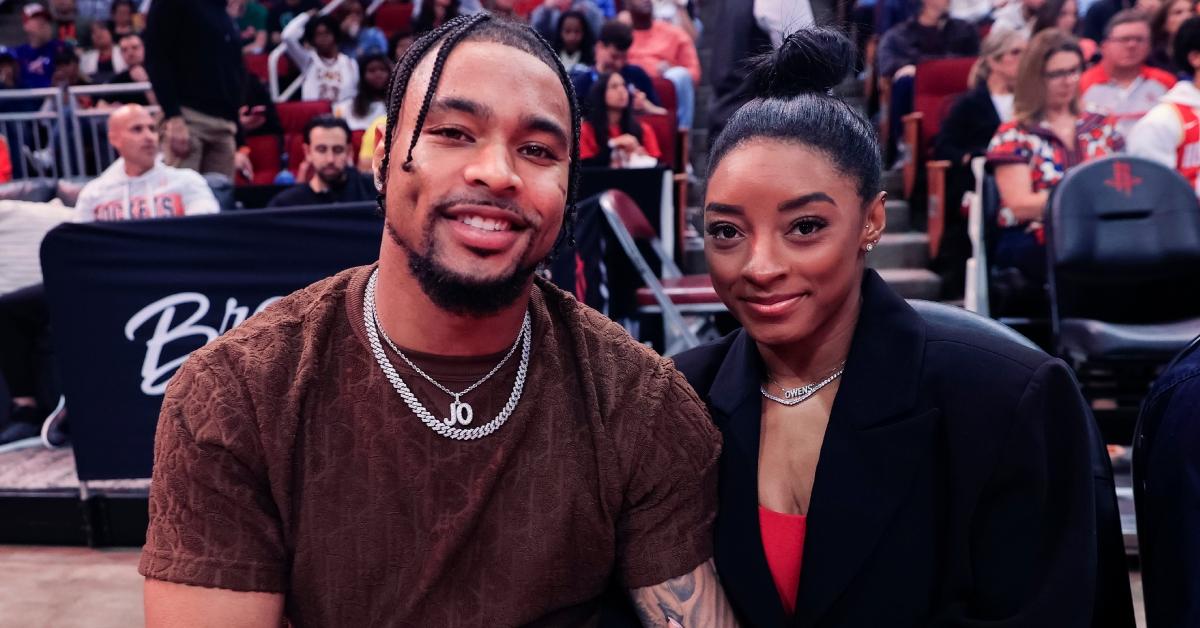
642,104
178,139
138,74
251,118
693,599
242,164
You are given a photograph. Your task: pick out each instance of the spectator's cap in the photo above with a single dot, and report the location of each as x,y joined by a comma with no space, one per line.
33,11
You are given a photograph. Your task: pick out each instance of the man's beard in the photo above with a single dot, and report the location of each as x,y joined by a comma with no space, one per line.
455,292
335,180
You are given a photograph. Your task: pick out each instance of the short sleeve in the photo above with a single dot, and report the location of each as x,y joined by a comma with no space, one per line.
665,528
213,520
1008,146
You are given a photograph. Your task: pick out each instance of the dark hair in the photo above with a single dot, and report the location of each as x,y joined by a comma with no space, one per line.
122,38
617,34
1128,16
424,21
477,27
587,47
1187,41
597,117
1158,24
335,29
325,121
792,103
116,3
395,39
1047,16
367,94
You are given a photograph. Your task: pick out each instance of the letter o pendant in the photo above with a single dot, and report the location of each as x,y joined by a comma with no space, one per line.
463,413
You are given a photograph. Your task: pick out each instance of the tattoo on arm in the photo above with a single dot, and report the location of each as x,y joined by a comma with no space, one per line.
693,600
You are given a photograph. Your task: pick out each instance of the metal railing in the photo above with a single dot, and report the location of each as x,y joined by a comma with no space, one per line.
278,51
50,135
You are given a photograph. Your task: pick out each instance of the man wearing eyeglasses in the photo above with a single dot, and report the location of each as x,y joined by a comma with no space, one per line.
328,158
1122,85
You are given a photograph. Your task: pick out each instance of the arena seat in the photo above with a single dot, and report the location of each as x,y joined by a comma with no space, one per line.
664,132
259,65
292,117
673,294
266,155
1123,258
394,17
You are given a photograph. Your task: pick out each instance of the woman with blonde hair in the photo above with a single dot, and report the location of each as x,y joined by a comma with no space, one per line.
964,135
1030,154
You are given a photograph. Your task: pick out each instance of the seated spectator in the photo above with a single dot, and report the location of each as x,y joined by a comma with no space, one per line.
1064,15
138,185
465,7
334,180
964,135
126,20
104,59
283,12
574,42
1163,27
133,51
252,22
10,70
1030,154
370,101
666,51
398,44
434,13
1101,12
36,56
611,54
328,73
66,18
546,17
359,37
611,136
68,74
930,34
1122,85
1170,133
1017,15
681,13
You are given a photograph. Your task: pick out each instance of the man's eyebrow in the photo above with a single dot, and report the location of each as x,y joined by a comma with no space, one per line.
536,122
464,105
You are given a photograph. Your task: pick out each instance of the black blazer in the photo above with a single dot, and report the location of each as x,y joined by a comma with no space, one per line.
968,127
953,488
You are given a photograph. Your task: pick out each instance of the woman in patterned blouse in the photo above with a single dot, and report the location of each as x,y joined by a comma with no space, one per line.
1030,154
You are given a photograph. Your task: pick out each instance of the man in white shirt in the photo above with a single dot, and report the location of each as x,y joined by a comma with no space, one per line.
139,185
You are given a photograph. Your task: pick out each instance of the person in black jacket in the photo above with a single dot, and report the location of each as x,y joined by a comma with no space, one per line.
877,469
194,58
334,178
964,134
930,34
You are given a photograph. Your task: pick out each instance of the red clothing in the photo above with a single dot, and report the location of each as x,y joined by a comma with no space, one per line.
664,42
783,543
588,147
5,162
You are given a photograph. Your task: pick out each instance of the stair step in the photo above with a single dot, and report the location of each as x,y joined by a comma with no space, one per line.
899,217
900,250
893,183
913,283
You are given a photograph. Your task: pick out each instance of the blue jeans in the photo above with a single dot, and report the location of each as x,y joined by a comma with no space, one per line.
685,95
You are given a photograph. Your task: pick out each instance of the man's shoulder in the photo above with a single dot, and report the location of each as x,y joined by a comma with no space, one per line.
299,194
1160,76
1095,75
279,335
184,176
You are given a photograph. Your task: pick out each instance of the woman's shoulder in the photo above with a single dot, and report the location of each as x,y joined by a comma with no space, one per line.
699,365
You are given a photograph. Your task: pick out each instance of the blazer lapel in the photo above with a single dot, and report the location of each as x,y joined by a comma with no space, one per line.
737,411
875,441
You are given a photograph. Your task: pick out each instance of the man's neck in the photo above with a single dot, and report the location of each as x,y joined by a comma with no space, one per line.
1122,76
929,18
318,185
414,322
134,171
643,22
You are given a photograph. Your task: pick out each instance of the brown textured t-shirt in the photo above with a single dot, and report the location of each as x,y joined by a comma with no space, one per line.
286,462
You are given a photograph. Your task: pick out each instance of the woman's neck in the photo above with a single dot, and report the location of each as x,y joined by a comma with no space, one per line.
813,358
997,85
1058,114
614,117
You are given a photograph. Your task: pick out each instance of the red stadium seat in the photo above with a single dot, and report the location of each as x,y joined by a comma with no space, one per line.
394,17
935,86
664,132
666,94
265,156
356,140
259,66
292,117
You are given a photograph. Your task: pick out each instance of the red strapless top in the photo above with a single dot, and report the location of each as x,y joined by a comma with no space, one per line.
783,543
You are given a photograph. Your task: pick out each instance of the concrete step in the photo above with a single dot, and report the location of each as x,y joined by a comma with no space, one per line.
893,183
900,250
899,218
913,283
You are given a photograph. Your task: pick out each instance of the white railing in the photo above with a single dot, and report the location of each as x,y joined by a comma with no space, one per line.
278,51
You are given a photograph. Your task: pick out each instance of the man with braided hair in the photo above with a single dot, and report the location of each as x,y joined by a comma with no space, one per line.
440,438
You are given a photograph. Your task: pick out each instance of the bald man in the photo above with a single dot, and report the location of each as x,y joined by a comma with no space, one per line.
139,184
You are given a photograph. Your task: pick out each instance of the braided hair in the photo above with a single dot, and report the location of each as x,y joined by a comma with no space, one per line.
476,27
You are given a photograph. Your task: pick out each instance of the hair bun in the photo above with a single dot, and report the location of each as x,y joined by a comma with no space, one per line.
811,60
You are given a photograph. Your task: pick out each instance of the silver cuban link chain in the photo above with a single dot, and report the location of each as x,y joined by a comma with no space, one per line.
444,427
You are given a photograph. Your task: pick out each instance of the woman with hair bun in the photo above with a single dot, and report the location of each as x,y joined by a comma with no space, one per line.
879,469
